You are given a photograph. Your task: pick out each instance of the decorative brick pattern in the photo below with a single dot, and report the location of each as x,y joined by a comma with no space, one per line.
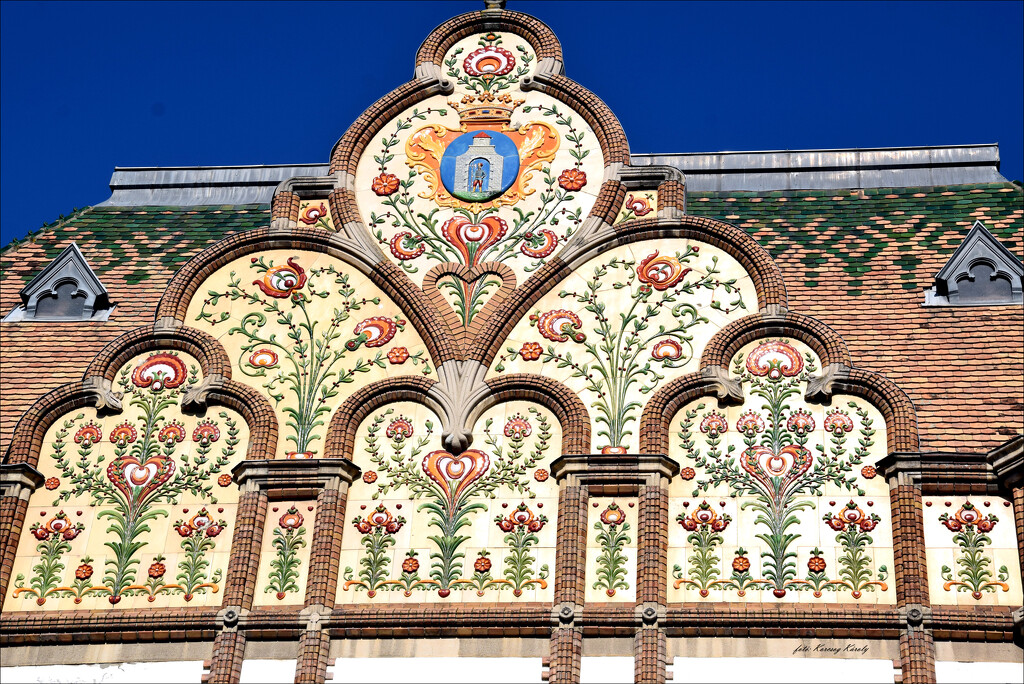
12,519
466,335
204,348
570,555
652,545
314,649
240,584
1018,519
452,31
285,205
226,663
649,659
829,347
908,536
917,657
28,434
566,655
322,583
655,423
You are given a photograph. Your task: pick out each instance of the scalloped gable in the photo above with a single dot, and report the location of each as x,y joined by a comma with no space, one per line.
958,284
66,290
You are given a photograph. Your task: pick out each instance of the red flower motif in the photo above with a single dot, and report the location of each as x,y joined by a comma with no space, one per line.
206,433
123,435
224,480
291,520
816,564
375,331
800,422
667,350
572,180
88,434
968,517
837,422
851,515
472,240
531,351
313,213
83,571
868,472
200,520
171,433
539,245
687,473
157,570
541,475
661,272
380,517
282,281
399,429
51,483
182,529
613,515
740,563
640,206
714,424
398,355
385,184
559,325
490,60
518,427
405,247
774,359
482,564
160,371
704,515
263,358
750,424
369,477
410,565
522,516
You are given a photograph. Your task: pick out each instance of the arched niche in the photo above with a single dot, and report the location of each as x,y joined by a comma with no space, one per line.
778,499
136,509
425,526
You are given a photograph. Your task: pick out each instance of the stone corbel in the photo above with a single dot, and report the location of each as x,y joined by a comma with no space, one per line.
19,480
195,399
431,75
614,469
296,476
103,396
916,617
728,390
546,70
821,387
460,387
650,614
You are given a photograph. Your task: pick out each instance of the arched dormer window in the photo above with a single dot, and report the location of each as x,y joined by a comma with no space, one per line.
66,290
981,272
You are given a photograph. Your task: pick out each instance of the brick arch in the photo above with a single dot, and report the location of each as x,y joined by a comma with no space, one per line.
567,406
826,342
763,272
442,38
204,347
387,276
341,433
664,404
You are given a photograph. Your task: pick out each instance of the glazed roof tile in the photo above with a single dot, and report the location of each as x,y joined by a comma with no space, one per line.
858,260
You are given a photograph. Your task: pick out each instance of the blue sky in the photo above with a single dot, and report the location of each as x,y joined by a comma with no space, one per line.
87,86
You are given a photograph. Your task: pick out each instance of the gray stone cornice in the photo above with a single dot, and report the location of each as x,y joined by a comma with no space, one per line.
295,475
19,480
613,469
1007,462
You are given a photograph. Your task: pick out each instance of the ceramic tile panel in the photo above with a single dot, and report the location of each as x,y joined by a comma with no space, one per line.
425,524
284,558
779,499
307,331
490,173
638,204
625,323
611,550
316,213
972,552
137,509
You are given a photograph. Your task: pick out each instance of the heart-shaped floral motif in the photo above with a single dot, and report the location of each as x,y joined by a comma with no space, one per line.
788,463
473,239
455,474
138,480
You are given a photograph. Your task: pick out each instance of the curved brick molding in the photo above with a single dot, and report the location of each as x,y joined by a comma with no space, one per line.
765,275
206,349
341,434
567,406
825,341
387,276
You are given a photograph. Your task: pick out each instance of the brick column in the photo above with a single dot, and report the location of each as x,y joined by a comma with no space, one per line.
652,576
17,482
314,649
570,588
226,663
1007,463
1018,520
917,649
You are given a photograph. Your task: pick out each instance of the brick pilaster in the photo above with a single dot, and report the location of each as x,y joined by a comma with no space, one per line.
571,547
12,518
314,648
649,664
652,577
917,656
325,553
566,655
226,663
243,565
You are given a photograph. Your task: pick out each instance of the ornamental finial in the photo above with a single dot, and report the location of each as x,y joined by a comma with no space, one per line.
494,4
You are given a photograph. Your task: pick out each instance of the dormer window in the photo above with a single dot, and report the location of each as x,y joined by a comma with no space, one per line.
66,290
981,272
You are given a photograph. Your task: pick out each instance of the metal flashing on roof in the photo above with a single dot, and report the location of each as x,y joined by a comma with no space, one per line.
884,167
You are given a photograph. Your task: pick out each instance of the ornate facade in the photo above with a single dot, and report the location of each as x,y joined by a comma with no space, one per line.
487,378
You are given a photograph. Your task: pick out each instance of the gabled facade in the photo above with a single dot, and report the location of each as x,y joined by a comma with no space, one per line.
488,385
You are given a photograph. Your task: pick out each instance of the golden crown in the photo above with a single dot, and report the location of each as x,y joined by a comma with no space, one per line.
485,109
